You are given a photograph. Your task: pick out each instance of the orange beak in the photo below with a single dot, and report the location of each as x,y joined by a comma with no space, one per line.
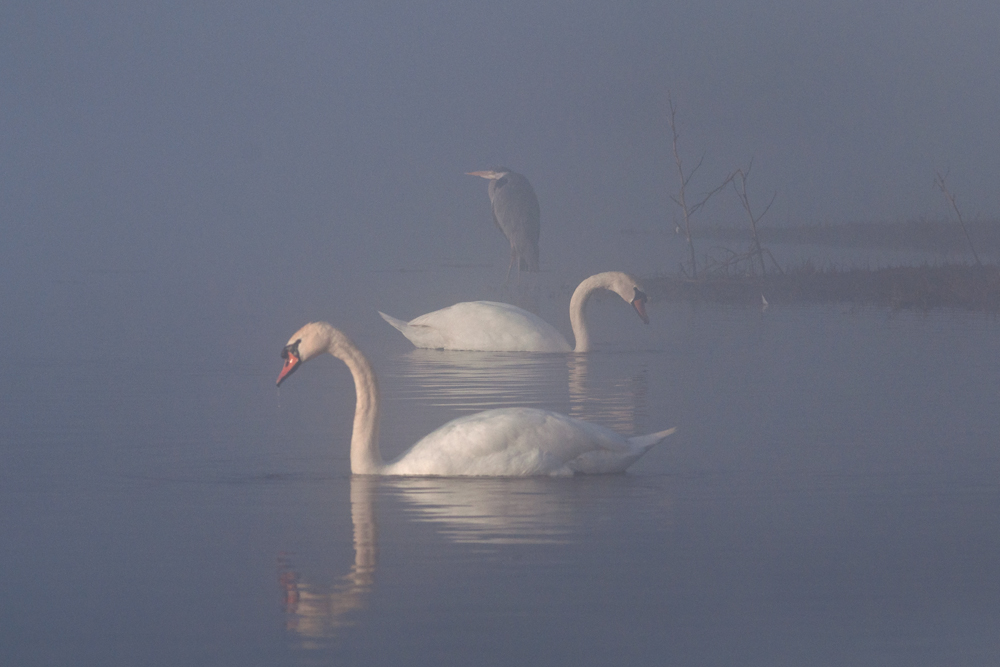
292,362
639,303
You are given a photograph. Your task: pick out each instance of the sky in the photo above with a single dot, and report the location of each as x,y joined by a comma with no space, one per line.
197,158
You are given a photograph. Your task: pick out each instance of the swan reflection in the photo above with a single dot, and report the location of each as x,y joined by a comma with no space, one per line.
481,511
485,512
316,612
474,381
610,390
492,511
610,400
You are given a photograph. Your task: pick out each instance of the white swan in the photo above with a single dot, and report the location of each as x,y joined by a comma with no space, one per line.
511,442
489,326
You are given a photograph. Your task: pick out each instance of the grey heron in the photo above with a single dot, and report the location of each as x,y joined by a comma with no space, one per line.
516,213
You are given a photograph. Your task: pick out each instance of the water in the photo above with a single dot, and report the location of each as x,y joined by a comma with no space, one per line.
831,497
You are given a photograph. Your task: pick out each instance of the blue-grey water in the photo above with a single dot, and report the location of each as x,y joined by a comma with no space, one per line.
831,497
183,185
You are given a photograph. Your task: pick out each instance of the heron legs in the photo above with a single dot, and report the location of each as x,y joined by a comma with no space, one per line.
513,258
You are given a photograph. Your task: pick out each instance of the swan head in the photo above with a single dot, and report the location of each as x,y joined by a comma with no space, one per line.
311,340
629,289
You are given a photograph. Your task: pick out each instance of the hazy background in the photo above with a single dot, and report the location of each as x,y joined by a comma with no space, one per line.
182,186
182,181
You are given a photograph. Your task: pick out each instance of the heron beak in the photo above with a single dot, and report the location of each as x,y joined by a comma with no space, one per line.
292,362
639,303
481,174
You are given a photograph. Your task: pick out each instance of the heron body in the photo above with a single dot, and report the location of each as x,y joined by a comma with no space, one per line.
516,213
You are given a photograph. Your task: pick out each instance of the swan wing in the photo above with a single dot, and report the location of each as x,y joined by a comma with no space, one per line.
513,442
485,326
603,461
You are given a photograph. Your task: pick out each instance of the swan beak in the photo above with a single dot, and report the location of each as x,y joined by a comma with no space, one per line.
639,303
292,361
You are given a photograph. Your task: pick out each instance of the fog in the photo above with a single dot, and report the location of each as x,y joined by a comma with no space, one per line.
189,181
184,185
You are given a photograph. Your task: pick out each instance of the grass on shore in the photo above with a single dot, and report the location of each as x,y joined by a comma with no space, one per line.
958,286
938,236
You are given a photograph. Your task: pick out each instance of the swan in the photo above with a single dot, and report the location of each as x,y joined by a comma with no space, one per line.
506,442
489,326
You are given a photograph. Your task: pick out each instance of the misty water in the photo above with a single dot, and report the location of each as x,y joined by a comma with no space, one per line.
830,497
184,185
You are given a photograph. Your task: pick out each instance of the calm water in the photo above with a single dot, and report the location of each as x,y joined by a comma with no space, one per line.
831,497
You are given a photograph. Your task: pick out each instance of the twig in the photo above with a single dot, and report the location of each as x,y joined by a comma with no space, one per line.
939,181
739,179
681,198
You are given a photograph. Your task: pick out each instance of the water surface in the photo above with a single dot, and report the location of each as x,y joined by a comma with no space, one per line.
830,497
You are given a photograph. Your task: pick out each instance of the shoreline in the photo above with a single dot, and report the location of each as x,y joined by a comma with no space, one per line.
958,286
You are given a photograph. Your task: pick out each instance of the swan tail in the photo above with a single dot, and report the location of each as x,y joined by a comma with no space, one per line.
644,442
418,334
399,324
605,461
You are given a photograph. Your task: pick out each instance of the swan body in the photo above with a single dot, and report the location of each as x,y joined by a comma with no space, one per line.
507,442
486,326
489,326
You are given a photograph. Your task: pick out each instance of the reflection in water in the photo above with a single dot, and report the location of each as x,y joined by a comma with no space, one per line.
479,511
609,390
490,511
474,381
314,613
616,402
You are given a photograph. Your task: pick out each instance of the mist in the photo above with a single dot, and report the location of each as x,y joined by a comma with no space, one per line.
184,185
181,180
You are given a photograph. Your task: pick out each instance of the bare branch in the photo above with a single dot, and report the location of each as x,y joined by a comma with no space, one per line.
740,186
704,201
671,120
692,172
685,179
768,207
941,184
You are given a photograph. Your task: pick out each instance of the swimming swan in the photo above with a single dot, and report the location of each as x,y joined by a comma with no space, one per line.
509,442
488,326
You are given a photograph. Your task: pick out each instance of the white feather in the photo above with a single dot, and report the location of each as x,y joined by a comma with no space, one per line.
489,326
507,442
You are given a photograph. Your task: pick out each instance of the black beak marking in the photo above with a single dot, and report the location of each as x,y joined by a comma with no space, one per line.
291,348
292,361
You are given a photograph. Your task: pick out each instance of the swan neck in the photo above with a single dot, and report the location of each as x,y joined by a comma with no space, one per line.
577,307
365,456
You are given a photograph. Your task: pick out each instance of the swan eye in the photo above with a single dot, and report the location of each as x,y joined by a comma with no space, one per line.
639,294
291,349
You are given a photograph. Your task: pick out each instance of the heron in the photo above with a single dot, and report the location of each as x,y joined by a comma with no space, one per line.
516,213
